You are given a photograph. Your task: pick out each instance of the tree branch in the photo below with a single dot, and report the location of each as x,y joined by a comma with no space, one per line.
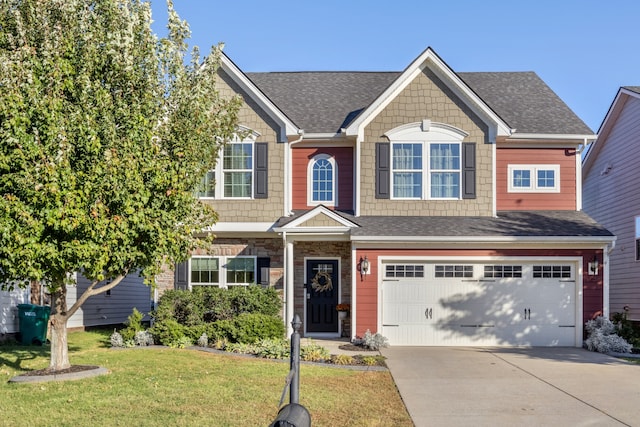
92,290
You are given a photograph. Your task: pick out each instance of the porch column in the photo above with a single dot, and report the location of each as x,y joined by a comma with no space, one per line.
289,300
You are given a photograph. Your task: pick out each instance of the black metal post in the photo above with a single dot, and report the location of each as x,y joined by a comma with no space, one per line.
294,390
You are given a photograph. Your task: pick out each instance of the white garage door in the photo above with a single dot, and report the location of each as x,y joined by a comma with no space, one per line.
479,304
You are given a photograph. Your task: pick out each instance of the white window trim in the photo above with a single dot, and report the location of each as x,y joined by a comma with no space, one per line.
426,170
219,171
534,188
312,162
222,271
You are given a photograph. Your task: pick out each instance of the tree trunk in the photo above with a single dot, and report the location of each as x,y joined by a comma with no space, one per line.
59,344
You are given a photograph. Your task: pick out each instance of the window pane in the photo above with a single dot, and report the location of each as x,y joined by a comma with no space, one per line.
546,179
241,270
445,185
204,270
407,184
522,178
207,185
407,156
445,156
237,184
237,156
322,181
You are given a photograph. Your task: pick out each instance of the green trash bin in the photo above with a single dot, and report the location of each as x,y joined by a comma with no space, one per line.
33,321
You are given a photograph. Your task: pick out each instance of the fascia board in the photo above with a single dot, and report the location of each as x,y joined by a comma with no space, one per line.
288,127
250,227
527,240
610,118
551,137
427,59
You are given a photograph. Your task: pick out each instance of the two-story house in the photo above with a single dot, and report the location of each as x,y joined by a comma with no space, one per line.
444,207
611,196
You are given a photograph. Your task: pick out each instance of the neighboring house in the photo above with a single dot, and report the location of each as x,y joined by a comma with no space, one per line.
110,308
611,195
444,207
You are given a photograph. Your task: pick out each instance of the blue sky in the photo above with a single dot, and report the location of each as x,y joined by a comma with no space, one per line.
583,49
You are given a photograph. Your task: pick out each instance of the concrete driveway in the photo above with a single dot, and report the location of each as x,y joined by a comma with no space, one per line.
462,386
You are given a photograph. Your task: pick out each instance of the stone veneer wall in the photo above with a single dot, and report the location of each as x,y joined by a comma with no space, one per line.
427,97
329,250
271,248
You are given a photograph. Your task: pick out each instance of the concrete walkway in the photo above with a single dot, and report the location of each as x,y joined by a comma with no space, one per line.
461,386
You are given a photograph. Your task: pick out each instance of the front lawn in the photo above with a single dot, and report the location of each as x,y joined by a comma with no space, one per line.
163,386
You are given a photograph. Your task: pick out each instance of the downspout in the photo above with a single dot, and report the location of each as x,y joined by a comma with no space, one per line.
606,251
287,173
288,287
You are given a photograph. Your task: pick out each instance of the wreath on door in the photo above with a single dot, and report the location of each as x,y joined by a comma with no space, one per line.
321,282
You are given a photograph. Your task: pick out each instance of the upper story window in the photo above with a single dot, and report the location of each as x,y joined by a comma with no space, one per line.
237,170
534,178
322,180
241,171
414,177
425,161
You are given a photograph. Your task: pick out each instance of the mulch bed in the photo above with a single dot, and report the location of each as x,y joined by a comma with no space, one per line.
354,347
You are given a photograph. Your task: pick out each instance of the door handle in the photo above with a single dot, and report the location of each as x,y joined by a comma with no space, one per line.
527,314
428,313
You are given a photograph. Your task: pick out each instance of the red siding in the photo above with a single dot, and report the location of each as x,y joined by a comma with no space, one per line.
300,163
564,200
367,289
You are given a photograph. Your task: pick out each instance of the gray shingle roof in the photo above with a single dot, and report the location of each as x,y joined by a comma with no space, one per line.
506,224
635,89
324,102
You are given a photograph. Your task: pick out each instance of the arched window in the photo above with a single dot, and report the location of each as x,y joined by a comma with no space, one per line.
322,177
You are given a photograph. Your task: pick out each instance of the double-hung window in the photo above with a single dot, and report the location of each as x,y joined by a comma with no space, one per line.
222,271
534,178
434,176
237,170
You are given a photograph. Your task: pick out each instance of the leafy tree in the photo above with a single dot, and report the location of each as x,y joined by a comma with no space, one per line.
105,130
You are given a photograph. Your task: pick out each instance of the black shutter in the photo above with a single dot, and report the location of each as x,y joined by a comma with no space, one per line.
262,275
383,170
468,170
261,171
182,276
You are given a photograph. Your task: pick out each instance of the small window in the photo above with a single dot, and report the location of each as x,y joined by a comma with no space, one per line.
205,271
454,271
500,271
237,170
404,270
207,187
534,178
552,271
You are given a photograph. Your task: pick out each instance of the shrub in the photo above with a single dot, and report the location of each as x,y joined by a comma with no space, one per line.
314,353
374,341
181,342
116,339
168,332
602,337
252,327
143,338
342,359
133,325
373,360
273,348
203,341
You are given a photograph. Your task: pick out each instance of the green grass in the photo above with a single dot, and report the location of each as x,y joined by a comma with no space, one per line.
162,386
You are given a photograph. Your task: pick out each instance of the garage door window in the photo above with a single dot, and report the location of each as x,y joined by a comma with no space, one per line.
453,271
552,271
499,271
404,270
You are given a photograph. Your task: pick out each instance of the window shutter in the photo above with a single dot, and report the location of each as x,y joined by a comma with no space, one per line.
383,170
181,277
468,170
263,271
261,171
